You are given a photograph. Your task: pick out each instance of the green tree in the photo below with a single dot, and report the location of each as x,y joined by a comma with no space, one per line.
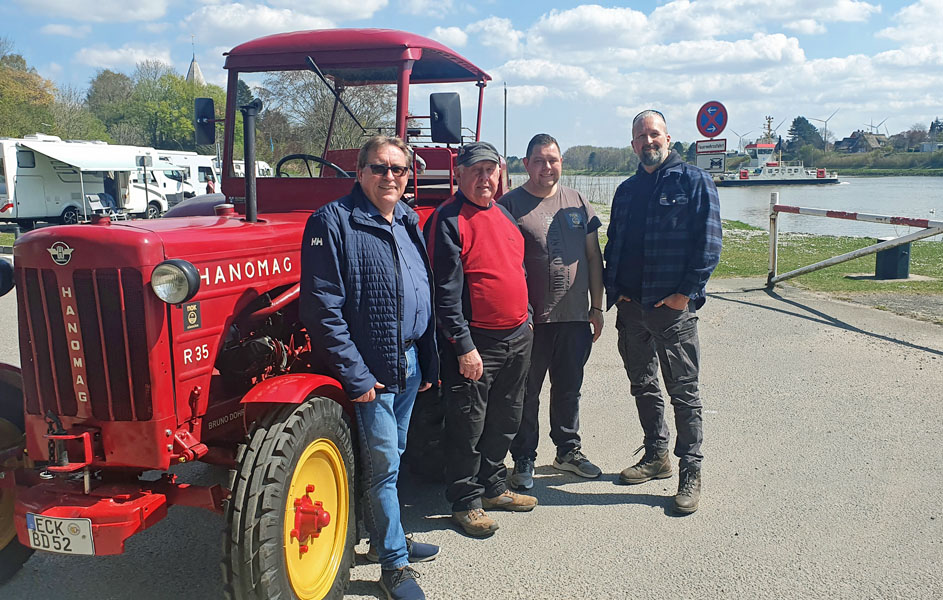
802,133
109,99
25,98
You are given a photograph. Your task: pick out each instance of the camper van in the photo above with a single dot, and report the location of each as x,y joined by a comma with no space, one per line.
196,167
43,178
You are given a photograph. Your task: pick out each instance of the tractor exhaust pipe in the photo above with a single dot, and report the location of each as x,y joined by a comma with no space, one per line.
249,113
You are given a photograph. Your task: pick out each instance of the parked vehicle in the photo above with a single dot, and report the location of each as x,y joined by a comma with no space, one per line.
152,343
43,178
196,167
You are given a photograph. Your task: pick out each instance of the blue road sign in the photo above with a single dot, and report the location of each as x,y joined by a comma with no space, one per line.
711,119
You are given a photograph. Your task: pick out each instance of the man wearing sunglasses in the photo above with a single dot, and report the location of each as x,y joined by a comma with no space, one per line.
366,300
477,255
664,241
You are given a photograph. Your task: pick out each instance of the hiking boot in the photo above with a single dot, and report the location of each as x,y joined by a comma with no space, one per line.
400,584
575,461
522,477
510,501
689,491
417,551
655,464
475,522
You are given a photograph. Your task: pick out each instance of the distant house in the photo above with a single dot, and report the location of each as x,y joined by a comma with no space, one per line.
861,141
930,147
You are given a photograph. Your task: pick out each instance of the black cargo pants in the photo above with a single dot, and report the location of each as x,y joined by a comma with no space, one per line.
482,417
649,338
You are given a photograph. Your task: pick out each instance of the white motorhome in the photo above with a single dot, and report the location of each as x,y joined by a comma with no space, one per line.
43,178
262,168
196,167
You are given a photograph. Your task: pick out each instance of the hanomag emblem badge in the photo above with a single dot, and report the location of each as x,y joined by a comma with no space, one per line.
61,253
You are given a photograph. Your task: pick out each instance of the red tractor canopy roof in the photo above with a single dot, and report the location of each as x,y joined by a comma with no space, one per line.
356,56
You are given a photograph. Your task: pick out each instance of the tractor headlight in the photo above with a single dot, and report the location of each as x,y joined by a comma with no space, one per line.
175,281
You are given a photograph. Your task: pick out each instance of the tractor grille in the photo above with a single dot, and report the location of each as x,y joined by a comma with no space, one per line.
110,308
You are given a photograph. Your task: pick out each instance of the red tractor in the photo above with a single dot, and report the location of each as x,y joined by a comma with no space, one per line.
146,344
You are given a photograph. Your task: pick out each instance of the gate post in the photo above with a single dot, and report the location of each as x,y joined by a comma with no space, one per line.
773,238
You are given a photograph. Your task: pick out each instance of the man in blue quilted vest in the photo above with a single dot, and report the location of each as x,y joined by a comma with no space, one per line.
366,300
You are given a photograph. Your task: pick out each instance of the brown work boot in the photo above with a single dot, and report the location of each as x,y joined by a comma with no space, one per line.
475,522
655,464
510,501
689,491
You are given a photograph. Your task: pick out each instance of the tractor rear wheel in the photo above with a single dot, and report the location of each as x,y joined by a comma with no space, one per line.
12,553
290,519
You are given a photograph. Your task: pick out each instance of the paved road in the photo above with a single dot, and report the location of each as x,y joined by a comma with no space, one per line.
823,479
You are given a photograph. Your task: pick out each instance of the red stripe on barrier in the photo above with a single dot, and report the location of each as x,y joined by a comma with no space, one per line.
786,209
840,214
924,223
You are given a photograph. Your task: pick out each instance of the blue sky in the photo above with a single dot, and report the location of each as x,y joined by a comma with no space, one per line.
577,71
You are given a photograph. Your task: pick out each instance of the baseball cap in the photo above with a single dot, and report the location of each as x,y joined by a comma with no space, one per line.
474,152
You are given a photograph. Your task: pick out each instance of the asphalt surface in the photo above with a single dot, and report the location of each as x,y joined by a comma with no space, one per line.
823,478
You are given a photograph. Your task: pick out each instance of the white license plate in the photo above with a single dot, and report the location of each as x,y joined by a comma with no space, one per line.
65,536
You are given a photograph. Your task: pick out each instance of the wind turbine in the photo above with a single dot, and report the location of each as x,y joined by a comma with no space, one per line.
825,129
740,140
875,128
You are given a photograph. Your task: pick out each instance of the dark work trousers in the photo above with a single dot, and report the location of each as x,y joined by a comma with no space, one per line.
666,337
482,417
563,348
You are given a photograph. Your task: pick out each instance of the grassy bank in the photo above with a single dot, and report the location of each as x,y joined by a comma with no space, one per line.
746,254
6,239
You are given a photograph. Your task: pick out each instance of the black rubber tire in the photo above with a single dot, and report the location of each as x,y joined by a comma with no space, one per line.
71,215
253,544
13,554
153,211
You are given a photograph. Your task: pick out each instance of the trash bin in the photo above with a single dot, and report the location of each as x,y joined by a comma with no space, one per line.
893,263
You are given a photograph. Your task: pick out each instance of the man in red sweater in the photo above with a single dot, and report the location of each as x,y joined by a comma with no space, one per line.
477,256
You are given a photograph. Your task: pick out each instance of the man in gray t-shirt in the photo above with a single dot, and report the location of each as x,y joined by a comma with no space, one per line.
565,288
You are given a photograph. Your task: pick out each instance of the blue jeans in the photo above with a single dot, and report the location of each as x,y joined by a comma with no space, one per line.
382,426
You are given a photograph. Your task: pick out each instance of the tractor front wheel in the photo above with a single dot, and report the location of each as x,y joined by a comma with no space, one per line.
290,519
12,553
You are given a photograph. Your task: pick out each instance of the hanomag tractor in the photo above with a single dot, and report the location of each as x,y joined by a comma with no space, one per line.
146,344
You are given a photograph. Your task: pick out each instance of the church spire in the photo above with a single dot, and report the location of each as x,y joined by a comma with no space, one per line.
194,74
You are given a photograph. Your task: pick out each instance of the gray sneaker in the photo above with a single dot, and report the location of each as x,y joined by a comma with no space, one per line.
575,461
522,478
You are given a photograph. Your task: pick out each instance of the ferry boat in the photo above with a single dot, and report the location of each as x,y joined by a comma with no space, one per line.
765,168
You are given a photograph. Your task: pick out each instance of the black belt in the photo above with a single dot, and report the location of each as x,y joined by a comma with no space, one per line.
408,344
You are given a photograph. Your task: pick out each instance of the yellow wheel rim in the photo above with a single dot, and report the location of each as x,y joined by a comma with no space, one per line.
312,571
9,435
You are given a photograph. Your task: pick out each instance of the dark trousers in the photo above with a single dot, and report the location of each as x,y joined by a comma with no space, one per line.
666,337
482,417
563,349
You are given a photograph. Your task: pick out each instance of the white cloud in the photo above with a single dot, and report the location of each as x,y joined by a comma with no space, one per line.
918,23
806,26
572,80
530,95
450,36
235,23
73,31
333,10
498,33
622,27
427,8
126,57
98,11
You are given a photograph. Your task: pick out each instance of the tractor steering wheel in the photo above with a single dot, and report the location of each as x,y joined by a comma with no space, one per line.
309,157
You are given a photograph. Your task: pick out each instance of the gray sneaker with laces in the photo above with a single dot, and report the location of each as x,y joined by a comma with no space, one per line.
522,478
575,461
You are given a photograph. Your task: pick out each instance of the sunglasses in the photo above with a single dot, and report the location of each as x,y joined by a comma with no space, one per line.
381,170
